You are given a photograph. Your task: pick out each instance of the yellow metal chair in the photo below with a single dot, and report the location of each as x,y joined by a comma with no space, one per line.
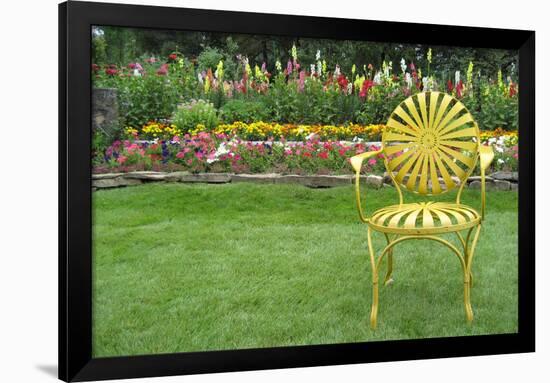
430,146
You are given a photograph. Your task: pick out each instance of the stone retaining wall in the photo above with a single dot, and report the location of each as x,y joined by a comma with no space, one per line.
104,110
496,181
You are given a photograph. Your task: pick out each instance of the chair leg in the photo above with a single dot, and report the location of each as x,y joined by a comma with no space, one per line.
467,304
388,279
468,276
374,307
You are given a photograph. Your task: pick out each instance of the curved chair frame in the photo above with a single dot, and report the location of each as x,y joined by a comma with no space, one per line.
395,236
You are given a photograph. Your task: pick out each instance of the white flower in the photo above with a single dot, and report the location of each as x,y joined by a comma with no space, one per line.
403,65
408,80
500,161
199,76
319,68
350,88
210,160
457,76
137,73
425,83
337,70
312,67
499,149
376,78
318,55
310,136
357,139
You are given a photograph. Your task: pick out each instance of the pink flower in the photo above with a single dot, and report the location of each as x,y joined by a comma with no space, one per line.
323,155
372,161
163,70
121,159
176,139
180,155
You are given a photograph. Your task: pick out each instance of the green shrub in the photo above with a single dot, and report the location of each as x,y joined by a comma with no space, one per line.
244,111
190,114
498,109
147,98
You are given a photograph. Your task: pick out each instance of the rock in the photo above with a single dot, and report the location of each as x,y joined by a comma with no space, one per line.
269,178
501,185
322,181
492,185
106,176
104,110
115,182
210,178
375,181
175,176
513,186
147,176
505,176
478,178
477,184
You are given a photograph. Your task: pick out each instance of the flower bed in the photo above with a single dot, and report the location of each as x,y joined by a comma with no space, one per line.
221,152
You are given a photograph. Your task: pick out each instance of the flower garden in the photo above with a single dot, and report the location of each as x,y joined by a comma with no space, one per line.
302,118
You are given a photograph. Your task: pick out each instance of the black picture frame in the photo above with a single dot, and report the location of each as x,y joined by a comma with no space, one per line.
75,215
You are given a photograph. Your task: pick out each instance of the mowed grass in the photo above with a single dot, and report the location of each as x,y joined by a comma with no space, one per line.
180,268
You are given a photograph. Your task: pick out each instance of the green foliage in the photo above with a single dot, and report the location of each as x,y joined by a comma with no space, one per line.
209,58
190,114
100,142
497,109
378,106
147,98
243,110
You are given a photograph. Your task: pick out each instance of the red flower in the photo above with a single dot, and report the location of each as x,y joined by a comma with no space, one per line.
323,155
172,56
132,66
95,68
343,82
367,84
450,86
306,154
459,88
111,71
513,90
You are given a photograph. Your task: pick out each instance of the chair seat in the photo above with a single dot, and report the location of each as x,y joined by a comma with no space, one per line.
424,218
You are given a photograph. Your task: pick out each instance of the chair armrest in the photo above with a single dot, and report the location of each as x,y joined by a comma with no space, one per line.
486,156
356,163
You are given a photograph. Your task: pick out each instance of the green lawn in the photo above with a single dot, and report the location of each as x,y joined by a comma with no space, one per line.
181,268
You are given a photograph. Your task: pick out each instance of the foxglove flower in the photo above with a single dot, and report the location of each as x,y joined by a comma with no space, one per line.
403,65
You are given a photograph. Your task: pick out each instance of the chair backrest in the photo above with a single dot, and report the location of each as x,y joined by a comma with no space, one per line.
430,136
